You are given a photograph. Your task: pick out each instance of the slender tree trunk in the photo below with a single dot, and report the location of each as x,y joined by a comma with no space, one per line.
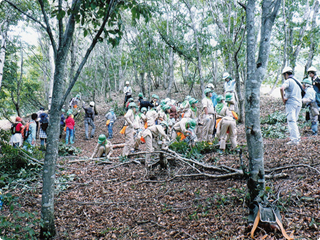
19,85
195,34
171,76
255,74
313,36
4,35
51,60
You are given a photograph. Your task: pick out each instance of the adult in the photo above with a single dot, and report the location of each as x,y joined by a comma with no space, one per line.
291,97
104,147
312,72
75,101
89,119
31,139
309,99
229,87
226,128
127,90
208,116
16,138
129,131
111,118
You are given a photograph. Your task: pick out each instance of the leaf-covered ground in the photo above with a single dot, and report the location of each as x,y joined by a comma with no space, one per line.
107,201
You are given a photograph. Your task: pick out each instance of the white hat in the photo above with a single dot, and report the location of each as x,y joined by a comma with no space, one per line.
225,76
210,85
167,100
127,82
312,69
286,70
91,104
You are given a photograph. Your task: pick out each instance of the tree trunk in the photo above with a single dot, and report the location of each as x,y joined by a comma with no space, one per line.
3,30
313,36
255,75
51,60
171,76
195,34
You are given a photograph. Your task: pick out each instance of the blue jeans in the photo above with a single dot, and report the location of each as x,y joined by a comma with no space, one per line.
69,132
110,130
292,111
87,122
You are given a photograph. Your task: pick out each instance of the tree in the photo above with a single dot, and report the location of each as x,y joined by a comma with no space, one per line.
255,73
103,20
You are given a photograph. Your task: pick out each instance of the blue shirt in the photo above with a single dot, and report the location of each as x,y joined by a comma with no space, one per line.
214,99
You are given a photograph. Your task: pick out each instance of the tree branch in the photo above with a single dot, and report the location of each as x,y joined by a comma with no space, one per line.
26,14
48,29
93,43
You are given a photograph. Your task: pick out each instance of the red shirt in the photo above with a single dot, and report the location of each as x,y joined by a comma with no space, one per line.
19,127
70,122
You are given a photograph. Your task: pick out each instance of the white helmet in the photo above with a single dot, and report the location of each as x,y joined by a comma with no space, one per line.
286,70
127,82
312,69
225,76
167,100
210,85
91,104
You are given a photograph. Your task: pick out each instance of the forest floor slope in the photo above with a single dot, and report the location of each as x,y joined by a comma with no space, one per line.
114,201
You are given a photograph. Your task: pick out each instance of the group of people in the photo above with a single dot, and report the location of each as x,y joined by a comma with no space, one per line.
160,122
294,95
35,128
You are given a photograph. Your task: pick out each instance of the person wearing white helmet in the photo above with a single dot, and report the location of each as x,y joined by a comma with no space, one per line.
214,95
291,97
89,119
309,99
127,90
312,72
229,84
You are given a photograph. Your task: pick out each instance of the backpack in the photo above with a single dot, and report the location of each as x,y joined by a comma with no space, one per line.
13,128
25,131
44,121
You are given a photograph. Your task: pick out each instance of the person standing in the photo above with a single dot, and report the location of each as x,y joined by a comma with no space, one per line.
31,140
89,119
312,72
309,99
69,128
208,116
291,97
44,122
16,138
111,118
62,122
127,90
214,95
130,120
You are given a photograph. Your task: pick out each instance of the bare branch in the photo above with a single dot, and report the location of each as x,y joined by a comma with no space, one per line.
48,28
24,13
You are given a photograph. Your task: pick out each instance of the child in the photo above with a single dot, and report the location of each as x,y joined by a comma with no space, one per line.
69,127
16,139
111,118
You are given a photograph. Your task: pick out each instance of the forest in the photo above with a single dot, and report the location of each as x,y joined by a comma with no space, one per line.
53,50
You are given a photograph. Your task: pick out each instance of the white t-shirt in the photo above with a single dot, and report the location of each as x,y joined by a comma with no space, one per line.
292,92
